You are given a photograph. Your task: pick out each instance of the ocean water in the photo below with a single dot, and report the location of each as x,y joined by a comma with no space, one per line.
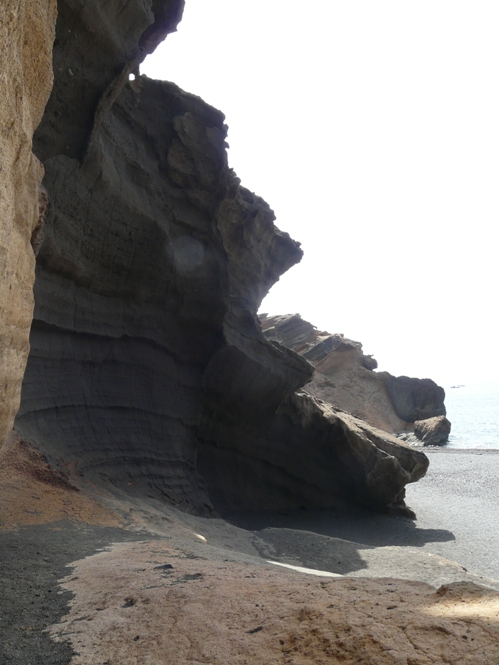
474,413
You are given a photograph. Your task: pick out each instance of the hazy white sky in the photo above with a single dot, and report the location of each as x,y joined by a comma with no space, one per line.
371,127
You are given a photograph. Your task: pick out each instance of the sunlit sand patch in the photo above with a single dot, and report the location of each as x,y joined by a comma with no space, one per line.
483,609
148,602
308,571
463,600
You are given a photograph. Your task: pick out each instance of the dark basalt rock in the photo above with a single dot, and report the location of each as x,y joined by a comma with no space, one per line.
97,46
305,454
416,399
148,367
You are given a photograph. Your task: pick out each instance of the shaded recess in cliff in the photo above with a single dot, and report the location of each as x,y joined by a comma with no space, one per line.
148,366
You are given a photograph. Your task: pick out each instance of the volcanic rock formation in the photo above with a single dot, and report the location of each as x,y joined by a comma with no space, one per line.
344,377
148,369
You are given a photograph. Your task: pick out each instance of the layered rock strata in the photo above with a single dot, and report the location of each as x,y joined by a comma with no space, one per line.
344,377
26,35
148,369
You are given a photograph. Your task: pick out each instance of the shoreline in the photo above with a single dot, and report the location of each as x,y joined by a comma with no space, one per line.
443,449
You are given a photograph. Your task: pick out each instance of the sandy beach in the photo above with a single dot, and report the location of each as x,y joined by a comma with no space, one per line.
454,540
460,494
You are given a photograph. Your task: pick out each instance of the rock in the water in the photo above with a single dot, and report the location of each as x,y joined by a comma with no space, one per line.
433,431
148,367
27,30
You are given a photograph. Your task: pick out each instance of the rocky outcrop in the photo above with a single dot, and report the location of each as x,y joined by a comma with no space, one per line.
130,295
305,454
344,377
293,332
98,47
433,431
415,399
26,37
148,369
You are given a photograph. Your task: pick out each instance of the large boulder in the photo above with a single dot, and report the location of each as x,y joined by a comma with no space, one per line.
306,454
433,431
416,399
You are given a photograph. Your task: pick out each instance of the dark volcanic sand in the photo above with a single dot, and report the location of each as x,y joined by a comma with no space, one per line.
457,508
460,494
33,559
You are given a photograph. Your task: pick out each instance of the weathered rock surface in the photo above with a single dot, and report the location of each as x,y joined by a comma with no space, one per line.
148,363
26,36
195,586
416,399
98,45
433,431
306,454
292,331
344,376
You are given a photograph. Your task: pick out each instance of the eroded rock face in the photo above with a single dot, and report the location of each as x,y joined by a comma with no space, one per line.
130,301
148,364
306,454
98,45
344,378
26,36
416,399
134,285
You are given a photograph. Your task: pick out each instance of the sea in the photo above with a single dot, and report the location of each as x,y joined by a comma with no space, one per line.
474,413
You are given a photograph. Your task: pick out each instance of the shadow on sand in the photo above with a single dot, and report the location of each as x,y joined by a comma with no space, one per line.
331,540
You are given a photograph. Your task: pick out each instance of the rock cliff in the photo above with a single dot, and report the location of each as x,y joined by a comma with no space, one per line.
344,377
148,369
26,36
